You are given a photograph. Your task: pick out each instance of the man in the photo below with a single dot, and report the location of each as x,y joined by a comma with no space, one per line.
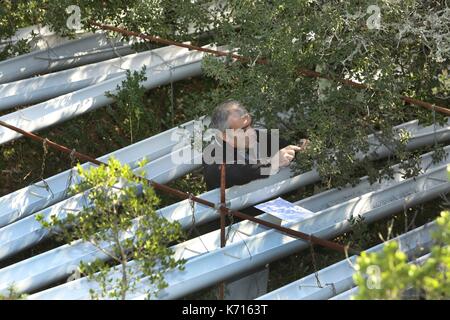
236,143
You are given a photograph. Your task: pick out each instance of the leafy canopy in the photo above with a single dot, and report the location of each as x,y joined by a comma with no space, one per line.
388,275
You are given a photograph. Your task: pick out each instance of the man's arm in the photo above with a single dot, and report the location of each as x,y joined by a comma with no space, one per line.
239,174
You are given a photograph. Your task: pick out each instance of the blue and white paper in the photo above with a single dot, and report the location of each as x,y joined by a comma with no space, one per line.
284,210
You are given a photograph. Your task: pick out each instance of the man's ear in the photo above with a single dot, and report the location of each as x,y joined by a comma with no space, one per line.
246,121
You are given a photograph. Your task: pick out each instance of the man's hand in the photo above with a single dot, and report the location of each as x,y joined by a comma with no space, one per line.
284,157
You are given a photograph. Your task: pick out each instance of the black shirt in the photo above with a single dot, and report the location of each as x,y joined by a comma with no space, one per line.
238,173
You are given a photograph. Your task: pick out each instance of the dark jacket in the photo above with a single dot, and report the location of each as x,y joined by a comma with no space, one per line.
238,173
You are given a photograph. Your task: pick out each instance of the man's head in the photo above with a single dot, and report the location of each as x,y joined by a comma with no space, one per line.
233,122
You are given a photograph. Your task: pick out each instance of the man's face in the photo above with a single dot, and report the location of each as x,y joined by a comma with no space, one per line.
241,134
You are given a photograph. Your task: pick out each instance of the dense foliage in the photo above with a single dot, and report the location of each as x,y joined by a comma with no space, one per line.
389,275
129,99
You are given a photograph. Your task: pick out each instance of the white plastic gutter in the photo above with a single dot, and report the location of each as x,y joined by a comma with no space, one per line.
90,49
37,89
44,37
70,105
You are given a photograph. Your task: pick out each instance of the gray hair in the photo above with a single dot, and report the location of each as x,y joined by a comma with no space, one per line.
219,118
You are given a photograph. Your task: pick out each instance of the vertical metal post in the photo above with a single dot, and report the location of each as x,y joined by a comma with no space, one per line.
222,205
222,221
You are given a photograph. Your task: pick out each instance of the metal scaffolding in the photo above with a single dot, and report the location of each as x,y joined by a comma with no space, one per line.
254,245
228,252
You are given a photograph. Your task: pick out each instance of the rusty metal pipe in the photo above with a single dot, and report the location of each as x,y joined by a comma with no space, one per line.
222,205
304,72
222,212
